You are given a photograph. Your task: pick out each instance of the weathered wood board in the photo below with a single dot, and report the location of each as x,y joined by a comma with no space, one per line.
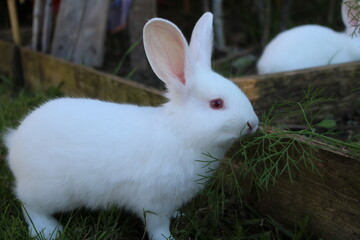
14,20
140,12
43,71
80,31
338,81
331,199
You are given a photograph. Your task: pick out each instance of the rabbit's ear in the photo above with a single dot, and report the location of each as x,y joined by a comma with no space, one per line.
167,51
349,15
202,40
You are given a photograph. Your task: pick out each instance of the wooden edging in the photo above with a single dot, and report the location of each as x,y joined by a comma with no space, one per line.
329,195
340,82
42,71
331,200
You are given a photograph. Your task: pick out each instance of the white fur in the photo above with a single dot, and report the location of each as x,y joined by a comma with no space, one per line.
70,152
311,46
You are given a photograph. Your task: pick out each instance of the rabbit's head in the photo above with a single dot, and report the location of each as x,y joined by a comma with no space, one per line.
350,16
201,100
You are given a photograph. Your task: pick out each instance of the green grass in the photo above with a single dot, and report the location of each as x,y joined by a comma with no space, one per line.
13,106
221,211
120,64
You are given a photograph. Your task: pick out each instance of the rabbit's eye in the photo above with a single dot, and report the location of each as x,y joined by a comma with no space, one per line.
217,103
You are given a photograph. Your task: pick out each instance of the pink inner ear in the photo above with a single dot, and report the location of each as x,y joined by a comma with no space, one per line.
351,13
178,67
352,18
167,52
353,23
181,77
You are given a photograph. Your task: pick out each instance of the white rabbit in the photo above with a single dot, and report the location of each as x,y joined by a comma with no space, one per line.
312,45
71,152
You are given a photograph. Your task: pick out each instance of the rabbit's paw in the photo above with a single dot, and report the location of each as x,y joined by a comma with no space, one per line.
42,226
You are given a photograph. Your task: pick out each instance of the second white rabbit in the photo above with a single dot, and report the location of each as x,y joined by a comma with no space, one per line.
312,45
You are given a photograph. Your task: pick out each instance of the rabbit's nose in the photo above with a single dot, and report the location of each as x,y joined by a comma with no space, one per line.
252,126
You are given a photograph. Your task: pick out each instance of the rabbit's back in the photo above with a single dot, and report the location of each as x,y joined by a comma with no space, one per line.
73,125
303,47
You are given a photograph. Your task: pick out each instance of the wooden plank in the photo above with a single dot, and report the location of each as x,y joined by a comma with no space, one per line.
330,199
47,26
338,81
36,22
14,21
43,71
68,25
80,31
141,11
90,46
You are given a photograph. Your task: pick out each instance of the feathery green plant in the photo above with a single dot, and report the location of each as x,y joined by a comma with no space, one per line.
354,14
122,60
273,152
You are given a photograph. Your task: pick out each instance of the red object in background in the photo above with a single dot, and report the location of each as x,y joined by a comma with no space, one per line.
55,7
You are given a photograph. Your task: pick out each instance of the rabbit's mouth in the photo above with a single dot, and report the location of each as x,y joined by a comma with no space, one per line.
248,128
251,127
231,134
